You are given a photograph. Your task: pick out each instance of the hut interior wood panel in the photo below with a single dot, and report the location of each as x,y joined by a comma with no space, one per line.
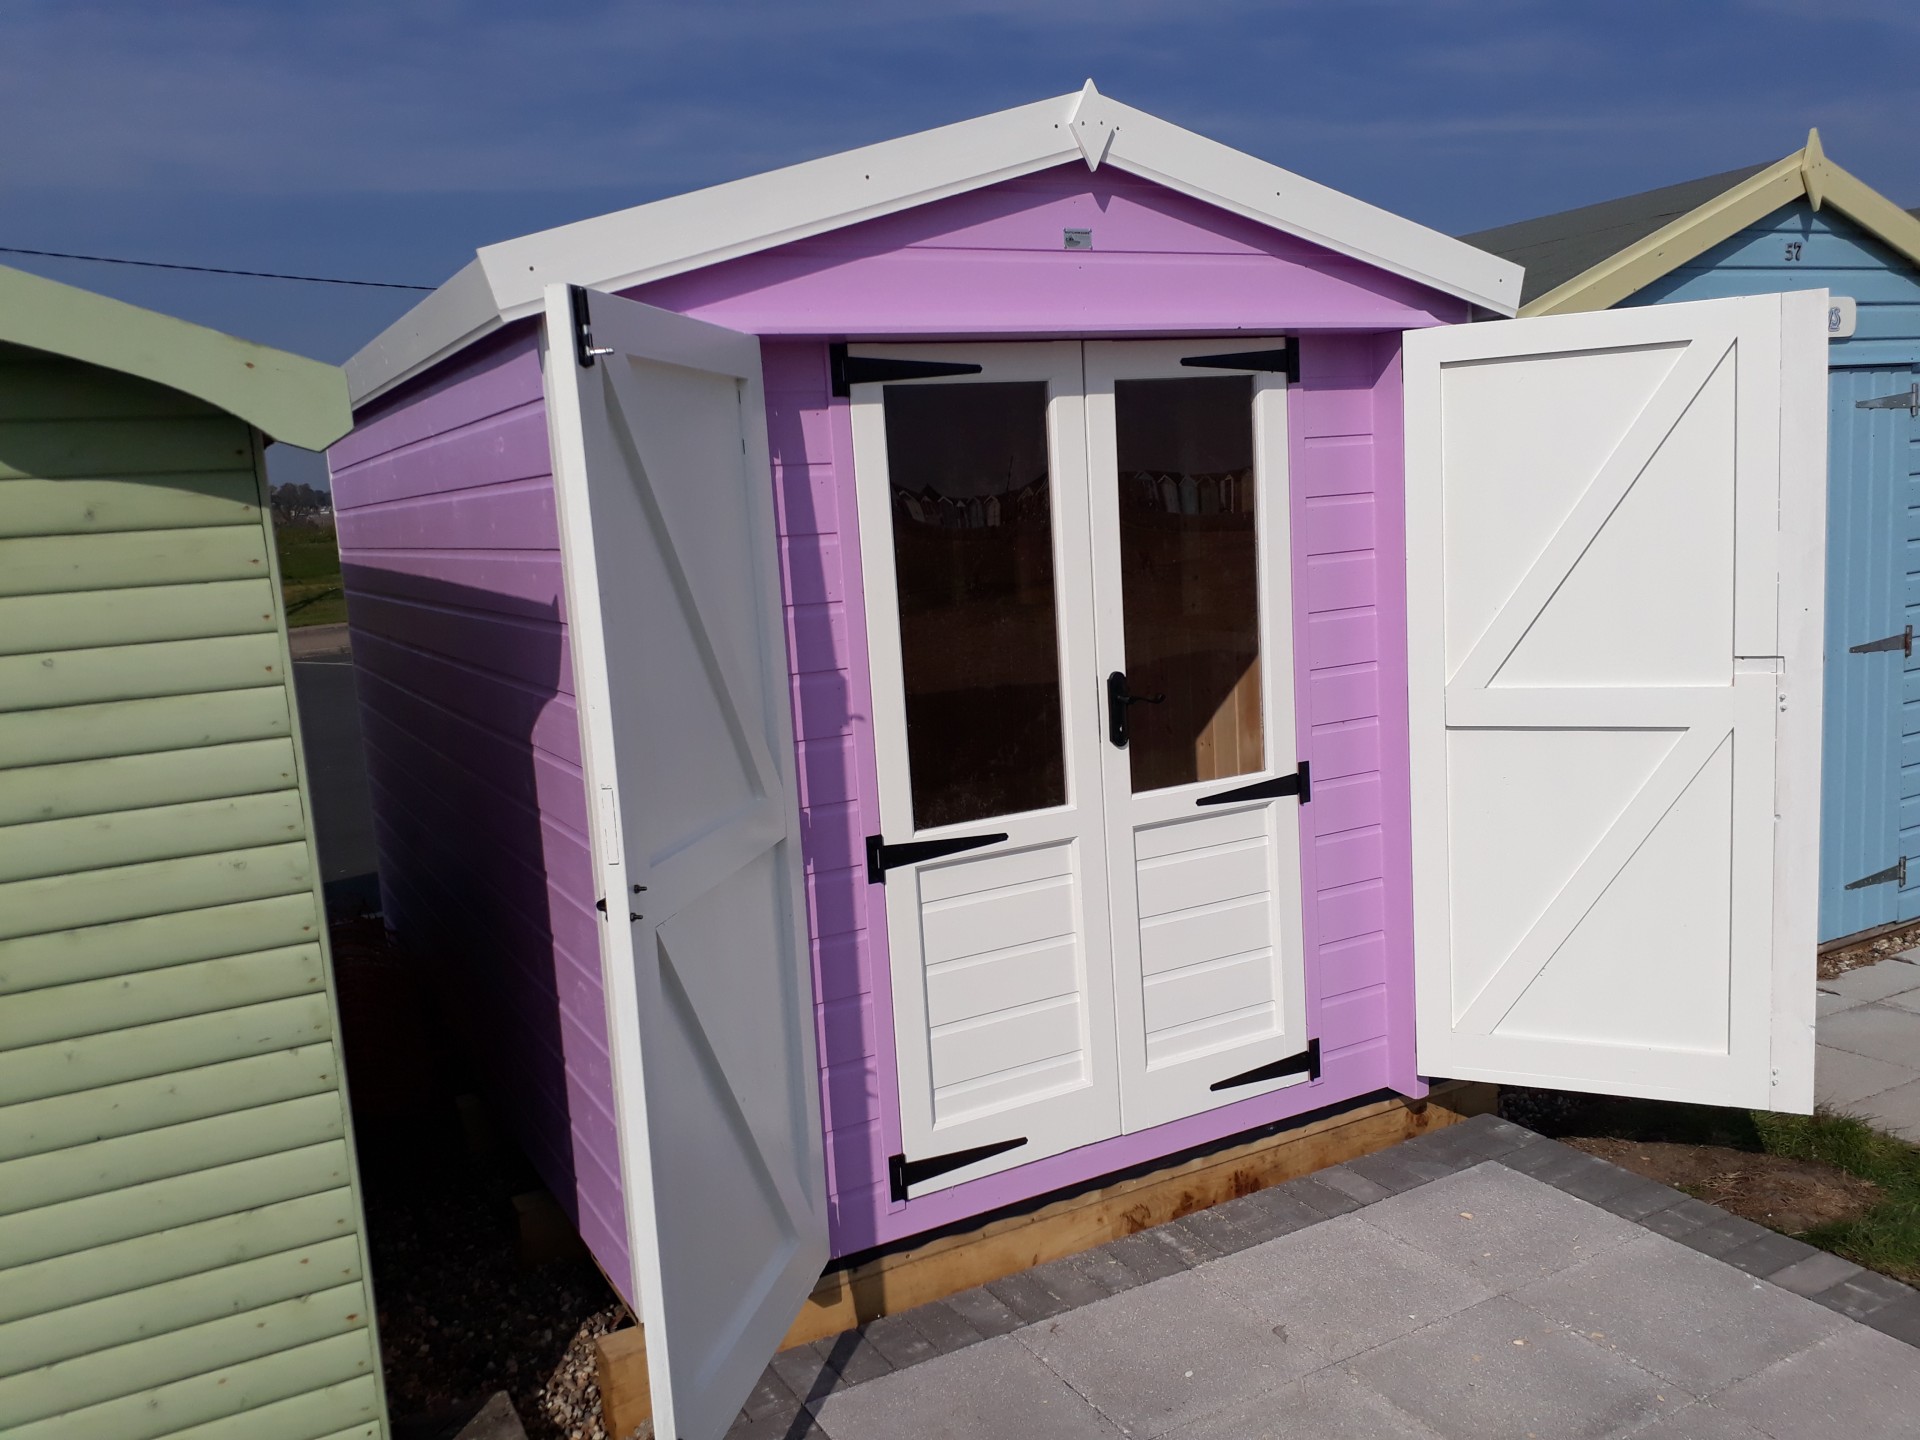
180,1234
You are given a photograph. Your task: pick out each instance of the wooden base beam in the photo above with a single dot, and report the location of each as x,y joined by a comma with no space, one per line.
943,1267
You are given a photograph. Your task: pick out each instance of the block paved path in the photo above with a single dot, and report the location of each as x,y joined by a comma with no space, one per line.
1477,1282
1869,1045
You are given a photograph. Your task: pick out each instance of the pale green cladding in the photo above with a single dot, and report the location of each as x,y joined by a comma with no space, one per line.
181,1241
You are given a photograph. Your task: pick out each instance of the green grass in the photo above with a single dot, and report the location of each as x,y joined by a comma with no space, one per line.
310,574
1886,1238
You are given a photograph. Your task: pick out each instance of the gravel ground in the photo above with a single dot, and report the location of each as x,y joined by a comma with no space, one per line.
462,1312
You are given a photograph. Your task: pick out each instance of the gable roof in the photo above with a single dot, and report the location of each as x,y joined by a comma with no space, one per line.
289,397
631,247
1596,256
1555,248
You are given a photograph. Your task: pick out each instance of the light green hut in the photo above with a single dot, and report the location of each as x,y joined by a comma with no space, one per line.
181,1241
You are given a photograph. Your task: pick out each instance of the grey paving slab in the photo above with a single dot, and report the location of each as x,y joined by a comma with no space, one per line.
852,1356
942,1326
1877,981
1843,1079
1909,1001
1349,1181
1397,1169
1830,1002
983,1310
1028,1296
988,1391
1681,1218
1723,1235
1897,1109
1814,1274
1150,1255
1346,1286
1769,1254
1499,1228
898,1339
1500,1371
805,1372
1324,1198
1900,1320
1859,1296
1700,1421
772,1396
1327,1405
1880,1032
1677,1313
1168,1354
1855,1385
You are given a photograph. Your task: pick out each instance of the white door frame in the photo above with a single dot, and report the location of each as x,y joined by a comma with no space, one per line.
1170,1089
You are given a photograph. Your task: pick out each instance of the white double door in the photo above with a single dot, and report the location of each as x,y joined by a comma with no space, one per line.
1080,627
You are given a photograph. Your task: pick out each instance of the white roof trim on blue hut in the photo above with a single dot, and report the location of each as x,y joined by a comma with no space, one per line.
506,282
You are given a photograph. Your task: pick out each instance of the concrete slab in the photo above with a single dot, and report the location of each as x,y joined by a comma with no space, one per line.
1843,1079
1891,976
1325,1406
1679,1314
1856,1384
1897,1109
1909,1001
1825,1004
1170,1353
1499,1228
1346,1286
1880,1032
994,1389
1500,1371
1700,1421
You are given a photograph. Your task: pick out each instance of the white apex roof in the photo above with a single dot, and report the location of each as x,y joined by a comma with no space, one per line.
631,247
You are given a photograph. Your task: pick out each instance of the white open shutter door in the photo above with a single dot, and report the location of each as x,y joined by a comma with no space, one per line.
673,588
1615,525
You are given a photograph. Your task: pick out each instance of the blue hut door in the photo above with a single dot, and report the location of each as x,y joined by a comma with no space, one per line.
1870,783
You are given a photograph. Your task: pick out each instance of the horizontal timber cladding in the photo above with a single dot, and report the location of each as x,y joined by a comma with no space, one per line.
450,545
180,1241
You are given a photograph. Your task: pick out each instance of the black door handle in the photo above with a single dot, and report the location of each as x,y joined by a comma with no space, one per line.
1117,702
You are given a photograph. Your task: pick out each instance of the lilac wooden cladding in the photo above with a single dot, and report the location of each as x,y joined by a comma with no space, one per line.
449,540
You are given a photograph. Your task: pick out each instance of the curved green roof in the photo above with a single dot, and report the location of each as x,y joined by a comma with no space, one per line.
288,397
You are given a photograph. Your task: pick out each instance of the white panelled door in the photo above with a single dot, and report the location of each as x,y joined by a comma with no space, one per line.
973,528
1093,902
1187,470
659,438
1614,530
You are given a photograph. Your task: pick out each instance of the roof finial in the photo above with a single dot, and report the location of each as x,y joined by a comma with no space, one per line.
1813,164
1092,126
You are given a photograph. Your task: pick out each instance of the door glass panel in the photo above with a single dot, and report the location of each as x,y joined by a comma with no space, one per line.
973,557
1189,576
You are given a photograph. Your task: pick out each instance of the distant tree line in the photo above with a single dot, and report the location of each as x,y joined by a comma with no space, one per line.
299,504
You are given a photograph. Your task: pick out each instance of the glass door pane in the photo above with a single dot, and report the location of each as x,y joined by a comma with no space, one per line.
1189,577
972,518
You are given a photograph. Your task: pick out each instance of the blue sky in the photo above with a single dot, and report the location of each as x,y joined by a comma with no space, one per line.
386,140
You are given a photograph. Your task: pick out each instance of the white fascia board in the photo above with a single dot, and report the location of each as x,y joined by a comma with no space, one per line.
705,227
1156,150
446,322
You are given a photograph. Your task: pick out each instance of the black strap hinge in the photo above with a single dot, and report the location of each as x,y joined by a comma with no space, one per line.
1903,642
583,347
1895,874
882,857
902,1172
850,370
1300,783
1307,1062
1284,361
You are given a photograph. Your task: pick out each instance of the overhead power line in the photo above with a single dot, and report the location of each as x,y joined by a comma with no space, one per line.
210,269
